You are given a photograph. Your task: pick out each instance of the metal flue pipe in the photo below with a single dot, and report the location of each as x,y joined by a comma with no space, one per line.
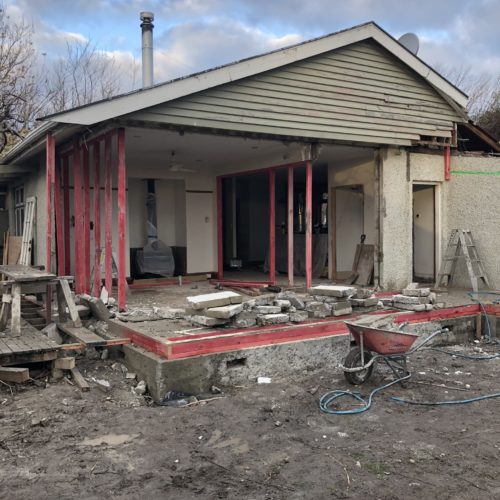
147,26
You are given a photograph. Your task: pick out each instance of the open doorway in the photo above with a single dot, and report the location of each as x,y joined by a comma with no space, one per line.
424,233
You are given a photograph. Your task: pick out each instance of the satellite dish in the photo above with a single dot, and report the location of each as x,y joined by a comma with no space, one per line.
410,41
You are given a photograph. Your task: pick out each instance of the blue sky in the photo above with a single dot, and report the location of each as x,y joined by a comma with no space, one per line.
191,35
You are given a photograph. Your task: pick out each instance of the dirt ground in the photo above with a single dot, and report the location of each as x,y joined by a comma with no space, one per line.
255,442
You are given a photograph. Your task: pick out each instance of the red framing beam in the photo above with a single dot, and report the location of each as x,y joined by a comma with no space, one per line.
50,166
272,226
86,221
220,250
308,224
96,288
66,212
108,215
447,163
290,228
122,205
78,212
61,264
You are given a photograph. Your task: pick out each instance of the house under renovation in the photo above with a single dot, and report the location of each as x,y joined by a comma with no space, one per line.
267,170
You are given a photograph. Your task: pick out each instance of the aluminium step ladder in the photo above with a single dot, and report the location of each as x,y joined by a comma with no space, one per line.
461,245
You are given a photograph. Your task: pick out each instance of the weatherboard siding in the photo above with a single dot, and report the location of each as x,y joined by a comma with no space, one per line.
358,93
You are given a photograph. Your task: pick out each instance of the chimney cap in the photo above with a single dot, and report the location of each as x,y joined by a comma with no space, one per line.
147,16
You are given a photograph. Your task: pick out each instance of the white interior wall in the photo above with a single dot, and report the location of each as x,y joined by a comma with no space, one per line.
349,218
359,171
423,233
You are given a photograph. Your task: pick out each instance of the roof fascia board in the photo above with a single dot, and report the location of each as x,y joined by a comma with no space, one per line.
130,103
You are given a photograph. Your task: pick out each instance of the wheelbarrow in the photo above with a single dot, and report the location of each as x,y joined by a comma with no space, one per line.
378,345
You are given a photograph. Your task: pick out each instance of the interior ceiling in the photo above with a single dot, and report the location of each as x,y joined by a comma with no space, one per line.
154,148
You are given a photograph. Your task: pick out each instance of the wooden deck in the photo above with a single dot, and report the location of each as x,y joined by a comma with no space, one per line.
31,346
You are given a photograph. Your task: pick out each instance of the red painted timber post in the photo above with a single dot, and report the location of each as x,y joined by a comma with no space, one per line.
272,226
78,213
447,163
290,227
220,255
86,220
61,265
122,205
97,220
67,247
50,165
108,216
308,224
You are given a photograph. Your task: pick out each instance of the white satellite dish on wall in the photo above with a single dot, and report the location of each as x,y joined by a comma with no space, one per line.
410,41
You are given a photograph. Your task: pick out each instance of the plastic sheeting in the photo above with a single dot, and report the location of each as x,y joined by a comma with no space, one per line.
156,258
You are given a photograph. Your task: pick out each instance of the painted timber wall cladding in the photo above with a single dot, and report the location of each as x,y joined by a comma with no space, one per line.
359,93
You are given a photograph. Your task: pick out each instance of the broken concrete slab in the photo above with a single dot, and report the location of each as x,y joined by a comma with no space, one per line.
346,304
417,292
267,309
293,298
363,293
244,320
403,299
283,304
216,299
52,333
224,312
332,290
96,306
169,312
318,309
272,319
410,307
299,316
342,312
265,299
368,302
208,321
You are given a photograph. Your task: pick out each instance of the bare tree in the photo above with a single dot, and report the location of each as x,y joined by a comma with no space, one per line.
18,85
83,76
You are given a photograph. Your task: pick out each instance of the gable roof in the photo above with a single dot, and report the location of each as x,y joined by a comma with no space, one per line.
181,87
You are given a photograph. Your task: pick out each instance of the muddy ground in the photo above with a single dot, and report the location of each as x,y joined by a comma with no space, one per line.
255,442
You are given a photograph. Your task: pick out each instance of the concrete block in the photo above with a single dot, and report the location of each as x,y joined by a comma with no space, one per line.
265,299
244,320
319,309
299,316
283,304
294,299
64,363
346,304
368,302
208,321
53,333
343,312
417,292
363,293
96,306
410,307
216,299
272,319
224,312
267,309
332,290
403,299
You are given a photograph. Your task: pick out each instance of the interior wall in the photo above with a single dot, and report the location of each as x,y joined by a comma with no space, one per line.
354,172
171,212
349,219
423,232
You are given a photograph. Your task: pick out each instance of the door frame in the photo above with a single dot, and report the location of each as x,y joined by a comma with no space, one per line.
437,225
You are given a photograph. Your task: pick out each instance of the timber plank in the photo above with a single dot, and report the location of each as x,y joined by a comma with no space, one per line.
17,375
79,380
82,335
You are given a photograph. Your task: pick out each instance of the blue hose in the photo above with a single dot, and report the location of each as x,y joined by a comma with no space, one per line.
330,397
452,402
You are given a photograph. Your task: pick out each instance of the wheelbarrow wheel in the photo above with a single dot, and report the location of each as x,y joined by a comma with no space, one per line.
353,360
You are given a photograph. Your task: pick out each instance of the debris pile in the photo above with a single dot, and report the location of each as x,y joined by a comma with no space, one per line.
413,298
228,309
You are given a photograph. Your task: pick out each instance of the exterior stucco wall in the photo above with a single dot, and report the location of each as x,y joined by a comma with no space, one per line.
473,202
